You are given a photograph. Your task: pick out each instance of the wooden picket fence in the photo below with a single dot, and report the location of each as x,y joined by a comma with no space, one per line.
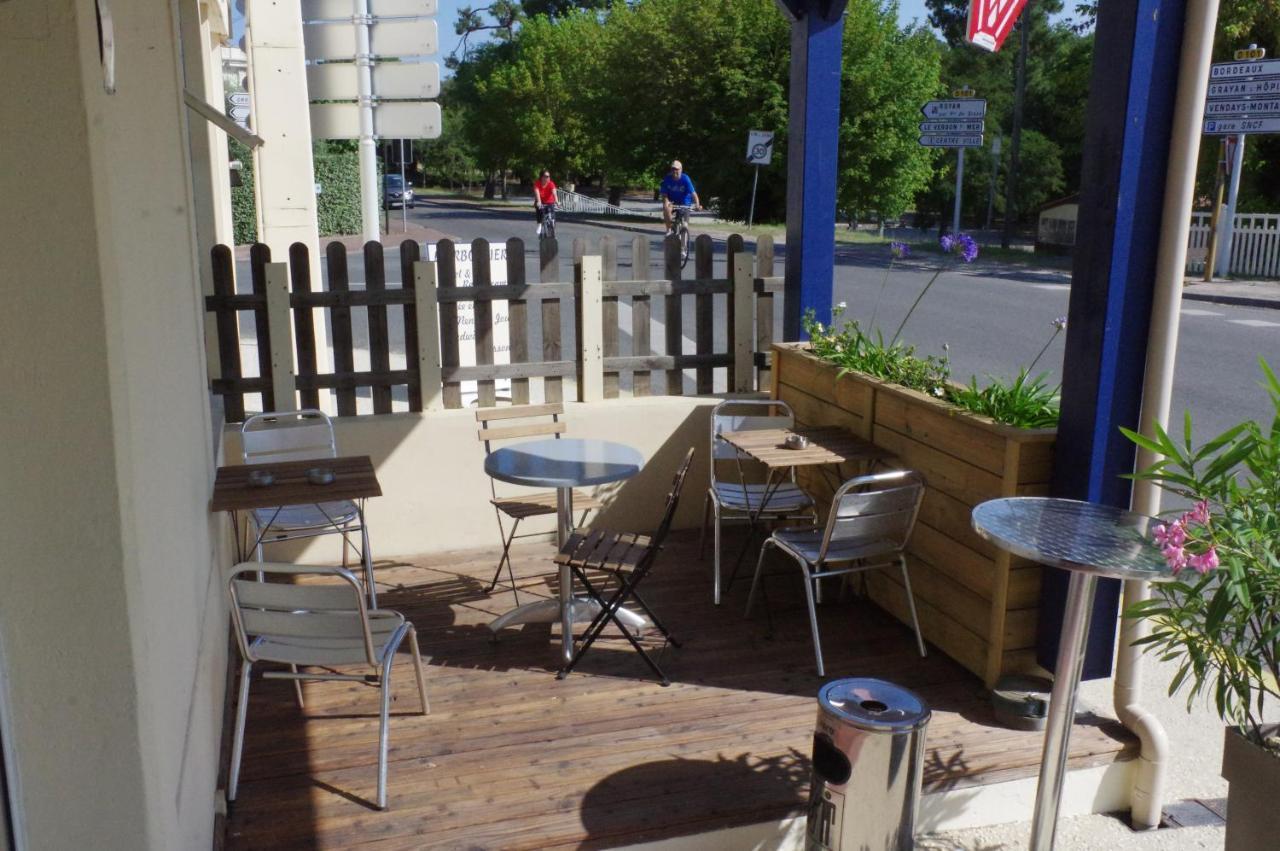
283,307
1255,246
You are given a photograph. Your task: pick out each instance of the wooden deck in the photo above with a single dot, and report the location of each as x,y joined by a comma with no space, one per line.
511,758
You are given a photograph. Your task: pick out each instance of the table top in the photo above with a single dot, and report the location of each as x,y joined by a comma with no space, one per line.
1082,536
827,445
353,478
566,462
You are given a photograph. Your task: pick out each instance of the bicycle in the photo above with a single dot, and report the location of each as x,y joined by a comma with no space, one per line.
680,229
548,212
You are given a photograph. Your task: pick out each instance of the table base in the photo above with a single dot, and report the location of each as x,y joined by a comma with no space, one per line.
584,610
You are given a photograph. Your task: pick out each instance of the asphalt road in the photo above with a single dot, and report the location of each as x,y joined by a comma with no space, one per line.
994,318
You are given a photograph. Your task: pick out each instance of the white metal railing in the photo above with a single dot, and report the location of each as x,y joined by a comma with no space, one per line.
1255,245
572,202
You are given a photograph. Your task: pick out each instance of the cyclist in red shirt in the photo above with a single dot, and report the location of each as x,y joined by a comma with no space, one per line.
544,196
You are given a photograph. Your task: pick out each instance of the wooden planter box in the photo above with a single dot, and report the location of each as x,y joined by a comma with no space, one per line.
976,603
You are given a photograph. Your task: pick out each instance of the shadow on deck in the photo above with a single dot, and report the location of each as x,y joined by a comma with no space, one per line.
511,758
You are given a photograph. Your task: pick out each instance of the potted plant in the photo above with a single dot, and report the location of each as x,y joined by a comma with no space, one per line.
1219,620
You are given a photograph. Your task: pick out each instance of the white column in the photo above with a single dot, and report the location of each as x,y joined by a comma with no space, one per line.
370,199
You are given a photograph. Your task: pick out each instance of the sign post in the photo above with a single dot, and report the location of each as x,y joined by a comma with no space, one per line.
1243,98
955,123
759,152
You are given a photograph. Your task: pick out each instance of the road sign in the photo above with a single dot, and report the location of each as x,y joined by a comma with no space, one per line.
1244,88
340,10
238,114
1238,70
1251,52
991,21
1258,107
1232,126
962,92
952,140
386,38
337,80
391,120
759,147
238,98
951,126
955,110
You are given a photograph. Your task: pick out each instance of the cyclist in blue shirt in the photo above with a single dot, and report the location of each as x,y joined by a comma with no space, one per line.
677,189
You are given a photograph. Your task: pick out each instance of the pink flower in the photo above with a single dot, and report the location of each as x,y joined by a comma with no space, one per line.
1173,535
1199,513
1175,557
1204,563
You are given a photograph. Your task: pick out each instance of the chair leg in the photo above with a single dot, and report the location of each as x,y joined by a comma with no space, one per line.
813,617
702,535
608,612
297,688
755,580
237,741
666,633
506,556
366,555
911,604
715,554
417,670
384,731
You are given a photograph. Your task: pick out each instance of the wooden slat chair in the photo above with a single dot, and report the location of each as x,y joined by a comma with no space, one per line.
625,558
868,528
315,626
510,423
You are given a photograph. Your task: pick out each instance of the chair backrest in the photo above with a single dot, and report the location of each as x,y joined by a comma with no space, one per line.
673,500
296,614
287,436
519,421
879,507
744,415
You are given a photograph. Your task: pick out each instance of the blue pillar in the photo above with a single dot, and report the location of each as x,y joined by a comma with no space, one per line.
813,142
1129,123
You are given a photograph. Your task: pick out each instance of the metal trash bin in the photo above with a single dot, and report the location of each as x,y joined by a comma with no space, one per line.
868,756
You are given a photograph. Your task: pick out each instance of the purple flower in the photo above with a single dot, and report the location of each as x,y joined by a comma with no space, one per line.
1199,513
1060,323
900,250
1204,563
967,247
1175,557
1173,535
947,242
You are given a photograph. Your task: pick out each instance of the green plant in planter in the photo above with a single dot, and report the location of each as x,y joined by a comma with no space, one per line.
1220,619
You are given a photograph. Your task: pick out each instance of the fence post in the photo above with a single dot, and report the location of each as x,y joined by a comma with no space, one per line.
589,302
743,330
428,315
279,315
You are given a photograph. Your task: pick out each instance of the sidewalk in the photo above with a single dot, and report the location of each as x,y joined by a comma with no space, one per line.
1245,293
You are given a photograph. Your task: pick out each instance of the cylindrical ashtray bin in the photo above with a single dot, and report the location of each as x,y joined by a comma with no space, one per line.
868,756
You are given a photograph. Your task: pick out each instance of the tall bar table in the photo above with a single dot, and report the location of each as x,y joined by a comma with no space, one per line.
1090,540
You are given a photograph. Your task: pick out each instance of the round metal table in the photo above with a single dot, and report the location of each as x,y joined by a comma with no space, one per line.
562,463
1090,540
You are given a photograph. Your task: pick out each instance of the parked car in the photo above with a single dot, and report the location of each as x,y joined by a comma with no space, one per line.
396,191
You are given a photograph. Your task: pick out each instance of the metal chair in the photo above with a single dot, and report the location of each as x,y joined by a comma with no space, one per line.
277,436
315,625
735,499
626,558
868,527
509,423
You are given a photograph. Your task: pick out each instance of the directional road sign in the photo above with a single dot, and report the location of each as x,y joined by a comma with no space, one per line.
388,37
952,140
959,109
951,126
340,10
1260,106
391,120
1244,88
1233,126
991,21
1239,70
238,98
404,80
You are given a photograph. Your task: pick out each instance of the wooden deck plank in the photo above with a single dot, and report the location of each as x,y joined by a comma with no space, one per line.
512,758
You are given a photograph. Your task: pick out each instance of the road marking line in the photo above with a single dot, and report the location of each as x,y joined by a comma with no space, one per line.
1195,311
1255,323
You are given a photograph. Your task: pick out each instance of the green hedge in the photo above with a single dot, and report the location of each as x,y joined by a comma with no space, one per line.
337,207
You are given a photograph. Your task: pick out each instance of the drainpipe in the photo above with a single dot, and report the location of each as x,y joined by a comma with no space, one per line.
1147,799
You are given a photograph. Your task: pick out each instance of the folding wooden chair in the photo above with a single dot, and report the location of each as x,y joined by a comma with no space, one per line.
626,558
509,423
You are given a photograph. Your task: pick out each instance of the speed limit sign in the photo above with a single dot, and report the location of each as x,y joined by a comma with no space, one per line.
759,147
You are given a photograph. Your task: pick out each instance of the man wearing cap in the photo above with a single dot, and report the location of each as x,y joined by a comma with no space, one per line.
677,188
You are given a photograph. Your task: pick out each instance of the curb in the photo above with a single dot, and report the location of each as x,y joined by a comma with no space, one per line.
1235,300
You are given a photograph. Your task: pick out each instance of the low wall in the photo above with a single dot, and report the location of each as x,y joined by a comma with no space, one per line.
435,494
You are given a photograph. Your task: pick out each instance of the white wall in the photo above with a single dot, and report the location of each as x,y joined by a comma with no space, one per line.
111,619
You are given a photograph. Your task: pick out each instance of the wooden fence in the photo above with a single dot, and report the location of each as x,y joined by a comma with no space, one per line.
1255,245
284,311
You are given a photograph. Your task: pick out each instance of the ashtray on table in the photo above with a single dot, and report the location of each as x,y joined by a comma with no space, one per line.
796,441
320,476
261,478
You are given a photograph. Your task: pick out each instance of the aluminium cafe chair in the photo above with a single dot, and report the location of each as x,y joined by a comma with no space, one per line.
319,626
509,423
625,558
731,497
278,436
868,528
